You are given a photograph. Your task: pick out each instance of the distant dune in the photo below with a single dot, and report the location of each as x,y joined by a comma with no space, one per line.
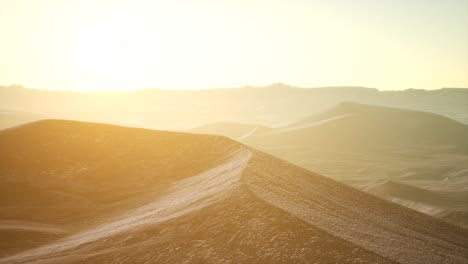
451,206
271,105
454,200
358,125
360,144
140,196
231,130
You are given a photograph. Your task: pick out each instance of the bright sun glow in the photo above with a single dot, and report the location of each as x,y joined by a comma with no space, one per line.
96,51
124,45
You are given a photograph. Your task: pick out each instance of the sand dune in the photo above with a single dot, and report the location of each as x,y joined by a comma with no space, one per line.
231,130
151,196
453,200
358,126
32,227
364,144
308,124
451,206
271,105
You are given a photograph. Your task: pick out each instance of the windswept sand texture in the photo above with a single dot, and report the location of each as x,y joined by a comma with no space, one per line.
413,158
126,195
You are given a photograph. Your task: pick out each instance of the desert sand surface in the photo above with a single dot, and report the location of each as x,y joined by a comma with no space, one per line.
413,158
112,194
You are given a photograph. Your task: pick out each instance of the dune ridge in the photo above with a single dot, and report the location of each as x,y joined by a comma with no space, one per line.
364,145
238,205
182,197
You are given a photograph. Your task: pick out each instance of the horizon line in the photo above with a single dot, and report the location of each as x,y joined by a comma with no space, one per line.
273,85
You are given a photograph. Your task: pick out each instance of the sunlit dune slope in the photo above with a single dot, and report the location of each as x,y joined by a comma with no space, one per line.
84,192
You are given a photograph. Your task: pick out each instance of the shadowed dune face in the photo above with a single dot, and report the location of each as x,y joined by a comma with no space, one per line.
451,200
365,145
365,126
449,205
151,196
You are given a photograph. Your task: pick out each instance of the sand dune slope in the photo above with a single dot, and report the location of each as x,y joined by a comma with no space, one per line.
364,144
353,125
125,195
231,130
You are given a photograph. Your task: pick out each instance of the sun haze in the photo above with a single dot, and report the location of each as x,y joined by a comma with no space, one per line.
105,45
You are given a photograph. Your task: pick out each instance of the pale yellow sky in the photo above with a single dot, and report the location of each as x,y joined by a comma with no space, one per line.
125,45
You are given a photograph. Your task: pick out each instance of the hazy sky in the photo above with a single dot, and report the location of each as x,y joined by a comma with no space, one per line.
123,45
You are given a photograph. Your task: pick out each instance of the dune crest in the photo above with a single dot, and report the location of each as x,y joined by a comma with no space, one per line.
423,155
225,203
